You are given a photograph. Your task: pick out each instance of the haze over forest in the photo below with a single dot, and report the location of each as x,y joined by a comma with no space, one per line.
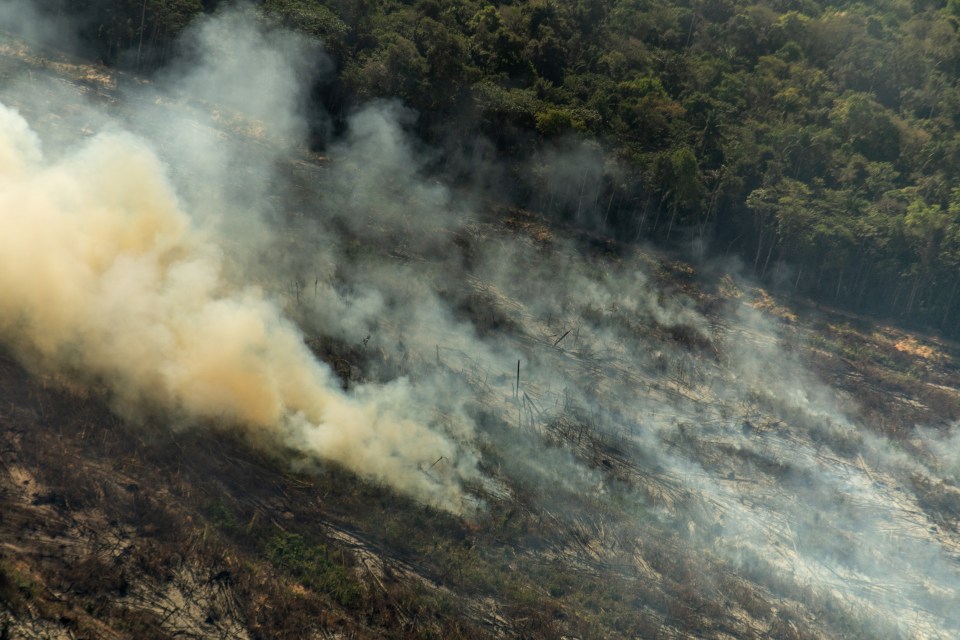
816,140
462,319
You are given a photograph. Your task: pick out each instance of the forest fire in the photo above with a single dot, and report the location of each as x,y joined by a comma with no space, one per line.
358,394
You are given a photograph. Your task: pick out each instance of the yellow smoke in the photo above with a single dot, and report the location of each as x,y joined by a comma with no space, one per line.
103,275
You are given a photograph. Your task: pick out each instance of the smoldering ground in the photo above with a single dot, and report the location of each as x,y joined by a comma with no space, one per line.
624,378
181,264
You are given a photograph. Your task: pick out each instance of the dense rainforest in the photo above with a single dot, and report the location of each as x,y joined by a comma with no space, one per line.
817,140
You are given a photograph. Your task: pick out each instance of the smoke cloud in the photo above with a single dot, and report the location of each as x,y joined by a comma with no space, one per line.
176,257
104,274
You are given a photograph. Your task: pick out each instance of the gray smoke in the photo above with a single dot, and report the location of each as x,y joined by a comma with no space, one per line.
181,253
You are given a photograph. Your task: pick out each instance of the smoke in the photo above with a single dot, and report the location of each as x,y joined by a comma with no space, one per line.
237,69
620,372
107,275
181,273
41,28
572,176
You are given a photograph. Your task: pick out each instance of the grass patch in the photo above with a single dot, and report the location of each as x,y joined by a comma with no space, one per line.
312,565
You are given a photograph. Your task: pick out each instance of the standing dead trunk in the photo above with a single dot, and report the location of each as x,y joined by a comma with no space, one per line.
756,258
143,20
606,215
946,311
673,217
913,295
766,262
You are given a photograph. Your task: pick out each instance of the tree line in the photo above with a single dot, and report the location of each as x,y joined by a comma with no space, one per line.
817,140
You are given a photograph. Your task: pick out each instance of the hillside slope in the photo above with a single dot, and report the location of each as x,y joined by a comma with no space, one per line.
631,445
113,530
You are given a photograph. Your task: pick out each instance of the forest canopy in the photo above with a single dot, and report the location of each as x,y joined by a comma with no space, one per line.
817,140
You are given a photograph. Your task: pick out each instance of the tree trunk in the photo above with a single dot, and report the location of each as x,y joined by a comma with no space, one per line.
583,183
766,262
143,19
756,258
606,215
896,295
913,295
673,216
946,311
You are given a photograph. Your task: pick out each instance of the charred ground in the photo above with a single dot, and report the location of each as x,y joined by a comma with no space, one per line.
117,531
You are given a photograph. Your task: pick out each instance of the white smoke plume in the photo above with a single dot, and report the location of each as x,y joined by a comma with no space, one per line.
104,274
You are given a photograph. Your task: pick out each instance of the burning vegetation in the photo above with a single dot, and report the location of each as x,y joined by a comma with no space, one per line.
246,394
